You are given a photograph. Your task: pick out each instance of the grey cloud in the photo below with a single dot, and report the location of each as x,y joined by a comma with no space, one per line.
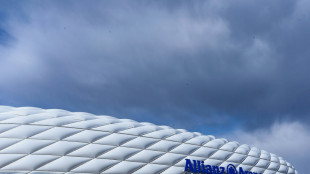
289,140
195,64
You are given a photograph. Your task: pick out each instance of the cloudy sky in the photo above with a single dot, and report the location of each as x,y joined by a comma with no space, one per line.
235,69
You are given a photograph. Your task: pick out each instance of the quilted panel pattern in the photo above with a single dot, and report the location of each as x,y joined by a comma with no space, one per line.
34,140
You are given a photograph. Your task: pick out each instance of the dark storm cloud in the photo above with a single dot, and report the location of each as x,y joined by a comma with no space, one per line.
241,63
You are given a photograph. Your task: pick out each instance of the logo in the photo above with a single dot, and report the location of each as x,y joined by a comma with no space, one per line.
231,169
197,166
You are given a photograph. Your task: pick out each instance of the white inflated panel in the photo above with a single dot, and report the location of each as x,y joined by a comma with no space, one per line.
34,140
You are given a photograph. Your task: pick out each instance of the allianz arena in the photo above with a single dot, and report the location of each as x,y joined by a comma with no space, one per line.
40,141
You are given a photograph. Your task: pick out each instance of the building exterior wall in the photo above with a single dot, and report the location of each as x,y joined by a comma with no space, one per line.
34,140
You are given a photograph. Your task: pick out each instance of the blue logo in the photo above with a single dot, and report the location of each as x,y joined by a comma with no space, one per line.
197,166
231,169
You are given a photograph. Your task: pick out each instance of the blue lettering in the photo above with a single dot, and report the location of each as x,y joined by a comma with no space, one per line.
222,170
241,171
188,166
203,167
198,167
216,170
195,166
209,169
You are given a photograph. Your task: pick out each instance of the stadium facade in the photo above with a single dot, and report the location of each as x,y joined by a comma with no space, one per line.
37,141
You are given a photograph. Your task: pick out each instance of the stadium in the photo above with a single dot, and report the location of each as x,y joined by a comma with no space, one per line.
38,141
